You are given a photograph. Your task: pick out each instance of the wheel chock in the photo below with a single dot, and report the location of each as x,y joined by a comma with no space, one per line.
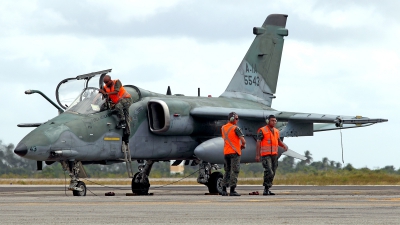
134,194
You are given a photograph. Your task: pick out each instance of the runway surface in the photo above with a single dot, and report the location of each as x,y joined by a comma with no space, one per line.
189,205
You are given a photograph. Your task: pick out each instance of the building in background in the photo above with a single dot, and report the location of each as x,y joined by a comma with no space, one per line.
179,169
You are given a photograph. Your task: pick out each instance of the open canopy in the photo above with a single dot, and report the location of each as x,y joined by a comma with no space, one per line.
80,94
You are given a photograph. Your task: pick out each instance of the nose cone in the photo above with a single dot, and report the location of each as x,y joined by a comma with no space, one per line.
21,149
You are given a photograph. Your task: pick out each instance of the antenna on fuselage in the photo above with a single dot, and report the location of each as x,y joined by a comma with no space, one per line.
169,91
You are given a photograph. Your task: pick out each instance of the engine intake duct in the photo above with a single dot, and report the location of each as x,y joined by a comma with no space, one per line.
170,117
158,116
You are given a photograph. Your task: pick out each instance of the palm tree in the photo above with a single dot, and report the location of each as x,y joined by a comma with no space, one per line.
332,164
308,155
325,161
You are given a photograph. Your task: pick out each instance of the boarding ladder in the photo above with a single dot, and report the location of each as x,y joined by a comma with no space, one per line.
127,158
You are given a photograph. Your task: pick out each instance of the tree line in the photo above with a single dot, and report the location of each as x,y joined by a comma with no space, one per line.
13,166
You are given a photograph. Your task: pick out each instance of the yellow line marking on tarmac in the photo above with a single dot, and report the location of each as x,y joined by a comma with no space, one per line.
221,202
102,203
384,200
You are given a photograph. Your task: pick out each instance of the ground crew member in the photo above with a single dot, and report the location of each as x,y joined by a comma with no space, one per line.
267,146
234,142
119,97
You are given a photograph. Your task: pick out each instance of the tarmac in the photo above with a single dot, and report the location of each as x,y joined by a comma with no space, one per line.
38,204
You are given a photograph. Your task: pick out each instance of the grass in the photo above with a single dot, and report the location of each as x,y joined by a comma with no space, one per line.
341,178
320,178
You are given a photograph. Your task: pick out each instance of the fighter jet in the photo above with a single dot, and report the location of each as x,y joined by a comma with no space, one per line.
172,127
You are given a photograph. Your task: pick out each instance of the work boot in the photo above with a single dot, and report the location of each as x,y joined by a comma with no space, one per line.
224,193
267,192
233,192
121,124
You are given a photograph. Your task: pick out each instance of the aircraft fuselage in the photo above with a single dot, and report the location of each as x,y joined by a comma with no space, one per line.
95,138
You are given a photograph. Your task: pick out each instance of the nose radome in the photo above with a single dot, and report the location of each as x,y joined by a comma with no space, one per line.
21,149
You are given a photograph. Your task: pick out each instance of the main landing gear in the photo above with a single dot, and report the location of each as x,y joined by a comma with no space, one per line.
140,181
211,180
76,170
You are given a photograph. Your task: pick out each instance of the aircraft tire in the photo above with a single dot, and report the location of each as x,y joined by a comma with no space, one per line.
138,188
80,193
214,183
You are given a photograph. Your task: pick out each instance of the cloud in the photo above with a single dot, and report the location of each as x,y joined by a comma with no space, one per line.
311,21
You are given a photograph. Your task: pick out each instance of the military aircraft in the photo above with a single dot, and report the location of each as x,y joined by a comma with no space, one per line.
172,127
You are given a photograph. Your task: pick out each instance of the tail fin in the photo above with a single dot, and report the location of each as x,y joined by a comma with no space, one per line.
257,75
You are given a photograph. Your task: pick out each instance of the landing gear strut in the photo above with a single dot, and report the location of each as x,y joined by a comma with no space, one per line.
211,180
140,181
76,170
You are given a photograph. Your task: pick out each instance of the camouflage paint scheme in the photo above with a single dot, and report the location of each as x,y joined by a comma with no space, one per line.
169,127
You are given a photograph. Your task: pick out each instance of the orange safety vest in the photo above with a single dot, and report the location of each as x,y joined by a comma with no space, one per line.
231,140
120,95
269,144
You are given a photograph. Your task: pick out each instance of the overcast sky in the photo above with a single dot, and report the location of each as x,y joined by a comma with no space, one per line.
341,57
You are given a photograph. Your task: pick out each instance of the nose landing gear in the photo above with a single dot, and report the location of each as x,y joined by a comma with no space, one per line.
211,180
76,170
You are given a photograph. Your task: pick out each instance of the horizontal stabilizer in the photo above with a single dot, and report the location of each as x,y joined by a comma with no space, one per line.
29,124
294,154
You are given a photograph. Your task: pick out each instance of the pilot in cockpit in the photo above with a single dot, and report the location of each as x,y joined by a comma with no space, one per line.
118,97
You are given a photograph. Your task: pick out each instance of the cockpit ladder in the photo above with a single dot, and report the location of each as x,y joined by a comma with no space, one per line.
127,158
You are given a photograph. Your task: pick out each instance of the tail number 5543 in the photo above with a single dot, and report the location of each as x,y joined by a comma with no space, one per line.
251,80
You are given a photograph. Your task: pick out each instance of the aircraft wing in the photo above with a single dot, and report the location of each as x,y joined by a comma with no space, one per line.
298,124
330,126
282,116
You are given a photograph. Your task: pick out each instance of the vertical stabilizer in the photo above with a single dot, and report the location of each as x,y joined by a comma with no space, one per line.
257,76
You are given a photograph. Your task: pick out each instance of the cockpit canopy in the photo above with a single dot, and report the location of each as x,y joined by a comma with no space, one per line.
81,94
88,102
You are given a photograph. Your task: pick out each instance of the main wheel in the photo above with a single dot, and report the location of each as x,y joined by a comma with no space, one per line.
82,186
138,188
214,183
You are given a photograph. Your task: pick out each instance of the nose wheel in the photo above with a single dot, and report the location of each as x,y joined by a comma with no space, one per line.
81,189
